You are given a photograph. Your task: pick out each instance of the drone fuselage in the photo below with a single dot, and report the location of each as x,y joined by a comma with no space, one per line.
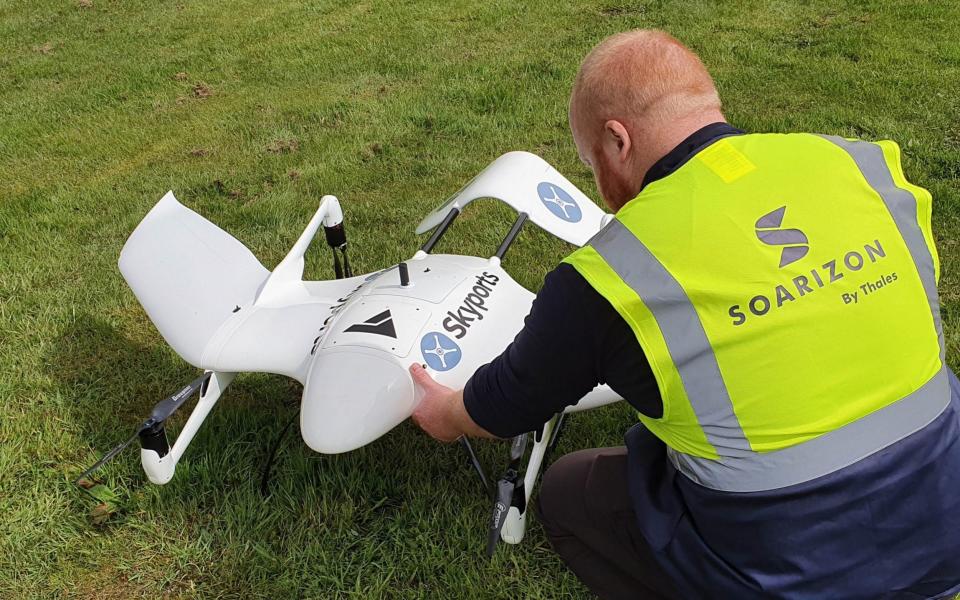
455,314
350,341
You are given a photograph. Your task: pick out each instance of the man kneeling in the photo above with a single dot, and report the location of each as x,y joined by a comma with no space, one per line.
768,304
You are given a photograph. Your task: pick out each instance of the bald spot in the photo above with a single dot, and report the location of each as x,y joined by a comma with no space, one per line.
642,78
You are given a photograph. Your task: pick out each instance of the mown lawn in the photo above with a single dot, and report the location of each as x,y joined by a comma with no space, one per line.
250,111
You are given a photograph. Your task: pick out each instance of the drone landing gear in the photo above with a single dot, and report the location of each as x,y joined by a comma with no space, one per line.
508,521
159,459
159,465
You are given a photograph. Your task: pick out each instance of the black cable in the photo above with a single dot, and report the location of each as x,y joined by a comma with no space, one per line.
465,442
268,467
337,269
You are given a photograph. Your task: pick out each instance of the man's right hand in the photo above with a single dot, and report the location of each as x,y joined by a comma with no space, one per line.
441,412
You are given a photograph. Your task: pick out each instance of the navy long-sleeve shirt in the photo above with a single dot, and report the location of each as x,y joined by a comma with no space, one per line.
572,340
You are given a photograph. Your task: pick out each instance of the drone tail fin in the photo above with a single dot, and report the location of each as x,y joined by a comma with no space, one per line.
189,275
530,185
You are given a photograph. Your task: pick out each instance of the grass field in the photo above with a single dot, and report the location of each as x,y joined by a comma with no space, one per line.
251,110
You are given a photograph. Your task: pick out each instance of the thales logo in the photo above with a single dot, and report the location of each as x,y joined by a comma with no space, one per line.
380,324
794,241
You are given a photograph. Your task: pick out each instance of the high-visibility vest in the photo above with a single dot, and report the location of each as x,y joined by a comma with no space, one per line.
783,289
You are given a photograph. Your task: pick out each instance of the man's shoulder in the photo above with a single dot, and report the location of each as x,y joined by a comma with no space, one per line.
565,277
566,283
565,290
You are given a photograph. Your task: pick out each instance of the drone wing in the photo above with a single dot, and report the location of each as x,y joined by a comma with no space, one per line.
213,301
529,184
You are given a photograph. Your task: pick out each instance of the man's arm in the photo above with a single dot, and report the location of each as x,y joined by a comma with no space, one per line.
554,361
441,413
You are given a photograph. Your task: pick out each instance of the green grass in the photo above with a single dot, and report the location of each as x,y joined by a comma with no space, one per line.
392,106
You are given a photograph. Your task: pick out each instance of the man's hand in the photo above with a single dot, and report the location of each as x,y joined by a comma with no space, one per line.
441,412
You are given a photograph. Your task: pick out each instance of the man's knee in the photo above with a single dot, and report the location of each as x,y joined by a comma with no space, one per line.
561,499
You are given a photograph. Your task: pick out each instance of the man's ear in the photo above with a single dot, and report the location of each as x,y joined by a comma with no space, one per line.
619,135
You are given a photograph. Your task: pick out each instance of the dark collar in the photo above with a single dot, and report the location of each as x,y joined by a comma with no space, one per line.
674,159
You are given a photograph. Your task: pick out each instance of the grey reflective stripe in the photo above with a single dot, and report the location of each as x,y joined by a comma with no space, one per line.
825,454
902,207
682,331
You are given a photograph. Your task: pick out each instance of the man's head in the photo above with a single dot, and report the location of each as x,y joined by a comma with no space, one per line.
637,95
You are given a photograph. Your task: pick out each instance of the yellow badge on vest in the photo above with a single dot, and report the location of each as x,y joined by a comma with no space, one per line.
727,162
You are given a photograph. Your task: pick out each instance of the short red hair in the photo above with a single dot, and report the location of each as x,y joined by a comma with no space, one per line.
643,76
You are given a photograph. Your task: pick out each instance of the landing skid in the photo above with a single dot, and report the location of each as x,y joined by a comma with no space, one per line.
159,460
511,493
515,525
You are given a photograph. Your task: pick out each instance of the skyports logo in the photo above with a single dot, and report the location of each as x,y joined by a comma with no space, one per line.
472,307
794,240
559,202
440,352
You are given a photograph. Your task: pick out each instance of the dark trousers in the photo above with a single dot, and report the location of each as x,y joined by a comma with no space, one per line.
588,517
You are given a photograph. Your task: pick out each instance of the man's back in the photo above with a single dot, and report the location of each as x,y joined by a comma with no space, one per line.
822,456
772,308
766,299
885,527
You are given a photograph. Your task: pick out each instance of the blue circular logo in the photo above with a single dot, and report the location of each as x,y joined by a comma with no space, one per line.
559,202
440,352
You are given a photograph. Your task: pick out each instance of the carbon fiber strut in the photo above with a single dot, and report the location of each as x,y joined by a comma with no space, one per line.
440,230
511,235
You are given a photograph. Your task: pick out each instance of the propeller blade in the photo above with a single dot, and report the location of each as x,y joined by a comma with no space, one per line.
517,448
337,269
165,408
557,428
347,271
108,457
465,442
504,498
161,412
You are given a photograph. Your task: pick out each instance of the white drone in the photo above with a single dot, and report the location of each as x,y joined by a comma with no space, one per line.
349,341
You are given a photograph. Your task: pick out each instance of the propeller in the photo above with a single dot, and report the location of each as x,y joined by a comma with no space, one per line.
337,269
509,491
153,425
347,271
164,409
517,447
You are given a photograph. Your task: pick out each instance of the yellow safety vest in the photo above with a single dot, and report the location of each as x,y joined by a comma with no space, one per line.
783,289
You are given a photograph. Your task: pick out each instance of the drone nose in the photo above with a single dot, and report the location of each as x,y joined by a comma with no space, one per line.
353,396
